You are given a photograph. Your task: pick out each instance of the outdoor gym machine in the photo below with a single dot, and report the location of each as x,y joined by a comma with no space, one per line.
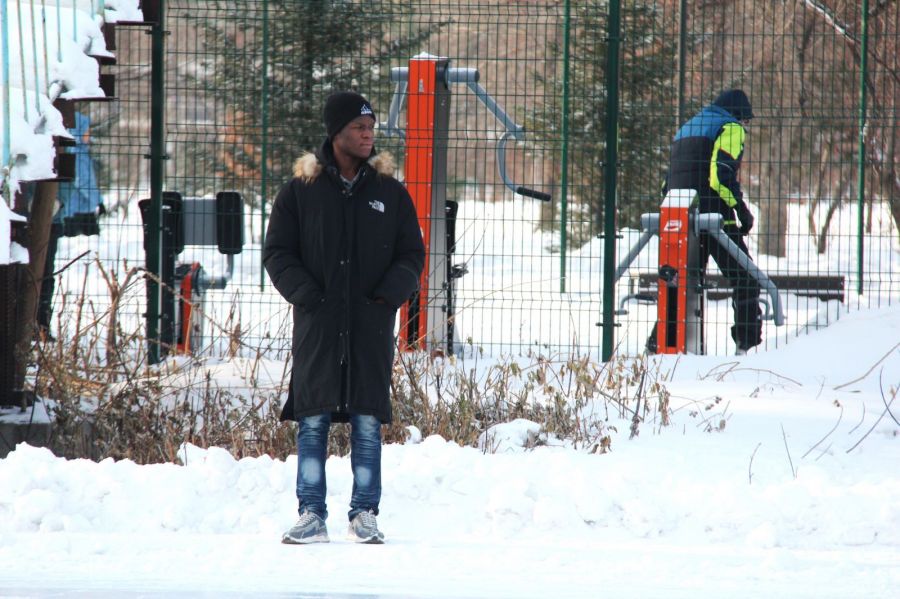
680,289
427,320
207,222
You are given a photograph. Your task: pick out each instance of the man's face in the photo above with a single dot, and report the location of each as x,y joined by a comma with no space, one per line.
356,139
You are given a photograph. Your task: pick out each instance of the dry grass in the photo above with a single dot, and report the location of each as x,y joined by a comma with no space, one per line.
107,401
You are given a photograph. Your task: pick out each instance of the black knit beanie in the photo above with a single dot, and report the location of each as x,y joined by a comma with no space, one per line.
343,107
736,102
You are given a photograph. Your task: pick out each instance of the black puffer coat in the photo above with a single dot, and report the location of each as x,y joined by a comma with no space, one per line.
331,252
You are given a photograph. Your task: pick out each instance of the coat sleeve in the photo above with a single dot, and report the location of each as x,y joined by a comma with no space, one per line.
727,153
401,279
281,253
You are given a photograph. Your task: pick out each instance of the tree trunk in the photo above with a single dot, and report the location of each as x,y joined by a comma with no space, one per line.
832,208
772,232
825,156
39,219
889,178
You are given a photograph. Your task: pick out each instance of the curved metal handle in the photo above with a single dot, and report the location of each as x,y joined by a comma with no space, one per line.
767,312
469,77
501,166
399,75
712,223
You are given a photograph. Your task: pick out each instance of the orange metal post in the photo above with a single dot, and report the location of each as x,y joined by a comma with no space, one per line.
185,341
672,304
420,171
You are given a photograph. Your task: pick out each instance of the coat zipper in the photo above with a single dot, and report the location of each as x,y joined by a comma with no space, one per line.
343,404
345,350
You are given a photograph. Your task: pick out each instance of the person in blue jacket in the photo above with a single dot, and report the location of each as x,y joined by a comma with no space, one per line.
706,156
79,205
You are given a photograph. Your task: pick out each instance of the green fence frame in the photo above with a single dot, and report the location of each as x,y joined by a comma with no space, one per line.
601,88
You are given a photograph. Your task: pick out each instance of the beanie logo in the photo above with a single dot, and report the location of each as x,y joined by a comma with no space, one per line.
366,110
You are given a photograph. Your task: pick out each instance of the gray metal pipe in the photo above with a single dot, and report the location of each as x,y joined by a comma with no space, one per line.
649,228
712,224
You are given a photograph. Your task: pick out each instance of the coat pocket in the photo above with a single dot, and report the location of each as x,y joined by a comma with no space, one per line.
317,331
372,335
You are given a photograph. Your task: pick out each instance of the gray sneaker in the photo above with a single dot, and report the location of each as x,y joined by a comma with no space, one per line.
364,529
310,528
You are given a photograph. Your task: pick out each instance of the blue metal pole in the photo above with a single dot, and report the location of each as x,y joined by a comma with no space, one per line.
4,48
22,60
44,29
34,53
58,32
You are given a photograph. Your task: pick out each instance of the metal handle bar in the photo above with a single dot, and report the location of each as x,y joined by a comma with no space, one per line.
712,224
469,77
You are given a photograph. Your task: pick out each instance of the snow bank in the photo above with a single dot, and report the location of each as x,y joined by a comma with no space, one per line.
777,477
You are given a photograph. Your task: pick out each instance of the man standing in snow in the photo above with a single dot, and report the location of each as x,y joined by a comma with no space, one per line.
706,156
344,248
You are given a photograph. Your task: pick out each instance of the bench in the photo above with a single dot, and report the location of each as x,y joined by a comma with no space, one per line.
823,287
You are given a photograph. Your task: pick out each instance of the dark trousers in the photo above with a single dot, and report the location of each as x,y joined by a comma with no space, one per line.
747,328
48,282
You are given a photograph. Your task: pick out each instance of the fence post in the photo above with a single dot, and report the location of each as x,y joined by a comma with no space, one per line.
264,156
861,166
157,172
610,175
564,180
682,57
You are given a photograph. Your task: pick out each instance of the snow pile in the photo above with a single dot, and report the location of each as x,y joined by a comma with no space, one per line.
123,11
777,477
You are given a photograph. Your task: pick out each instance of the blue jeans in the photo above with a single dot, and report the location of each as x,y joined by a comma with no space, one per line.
365,461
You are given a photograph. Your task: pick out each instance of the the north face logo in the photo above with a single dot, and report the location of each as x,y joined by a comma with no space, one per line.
366,109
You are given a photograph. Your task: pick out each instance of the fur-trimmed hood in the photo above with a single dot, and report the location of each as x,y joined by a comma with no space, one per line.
309,166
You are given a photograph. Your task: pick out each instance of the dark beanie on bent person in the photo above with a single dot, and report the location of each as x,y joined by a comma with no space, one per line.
736,102
343,107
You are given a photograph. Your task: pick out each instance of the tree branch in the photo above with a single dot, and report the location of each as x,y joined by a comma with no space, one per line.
887,409
869,371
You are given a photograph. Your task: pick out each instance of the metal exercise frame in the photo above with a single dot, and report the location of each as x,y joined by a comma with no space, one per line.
427,319
680,292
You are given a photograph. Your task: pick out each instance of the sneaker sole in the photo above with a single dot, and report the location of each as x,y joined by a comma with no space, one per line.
307,541
376,540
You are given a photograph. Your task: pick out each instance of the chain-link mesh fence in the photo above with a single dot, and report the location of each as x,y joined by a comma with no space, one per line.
246,81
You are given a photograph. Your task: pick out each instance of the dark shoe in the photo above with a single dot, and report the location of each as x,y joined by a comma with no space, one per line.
651,345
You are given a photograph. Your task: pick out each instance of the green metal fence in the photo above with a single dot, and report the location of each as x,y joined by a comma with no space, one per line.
245,81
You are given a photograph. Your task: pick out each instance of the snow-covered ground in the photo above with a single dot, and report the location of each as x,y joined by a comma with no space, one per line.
778,477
